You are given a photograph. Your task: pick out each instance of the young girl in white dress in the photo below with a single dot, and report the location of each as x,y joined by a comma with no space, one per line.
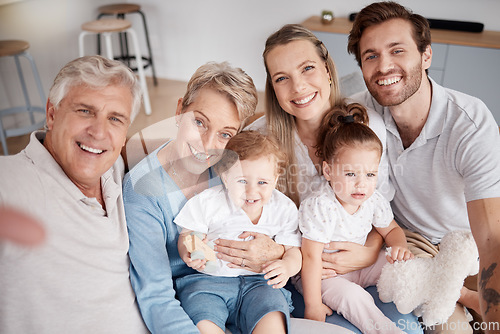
345,209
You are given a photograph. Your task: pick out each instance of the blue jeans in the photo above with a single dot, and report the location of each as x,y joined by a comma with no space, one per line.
236,302
406,322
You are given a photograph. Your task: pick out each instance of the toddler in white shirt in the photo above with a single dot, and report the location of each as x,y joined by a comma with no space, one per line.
238,298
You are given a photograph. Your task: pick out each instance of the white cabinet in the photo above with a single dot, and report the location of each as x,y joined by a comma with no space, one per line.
475,71
439,53
337,47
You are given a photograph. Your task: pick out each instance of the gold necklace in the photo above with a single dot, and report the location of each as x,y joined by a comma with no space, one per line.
176,175
183,184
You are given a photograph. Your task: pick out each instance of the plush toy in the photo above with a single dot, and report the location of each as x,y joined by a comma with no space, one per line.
430,287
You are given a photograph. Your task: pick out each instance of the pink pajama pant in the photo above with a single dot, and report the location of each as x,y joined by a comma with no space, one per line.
346,295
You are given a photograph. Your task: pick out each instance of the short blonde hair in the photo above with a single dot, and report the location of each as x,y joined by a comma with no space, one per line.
225,79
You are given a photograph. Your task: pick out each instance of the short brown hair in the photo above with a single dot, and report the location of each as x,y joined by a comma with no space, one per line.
250,145
380,12
345,126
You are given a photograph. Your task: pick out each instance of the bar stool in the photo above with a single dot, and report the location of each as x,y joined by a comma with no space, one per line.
106,27
16,49
120,10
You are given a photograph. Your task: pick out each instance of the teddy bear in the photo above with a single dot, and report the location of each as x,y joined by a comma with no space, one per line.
430,287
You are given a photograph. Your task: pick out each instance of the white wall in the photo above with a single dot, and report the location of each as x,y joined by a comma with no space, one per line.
51,27
188,33
191,32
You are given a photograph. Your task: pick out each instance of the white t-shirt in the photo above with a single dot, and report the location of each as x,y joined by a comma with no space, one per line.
212,212
323,219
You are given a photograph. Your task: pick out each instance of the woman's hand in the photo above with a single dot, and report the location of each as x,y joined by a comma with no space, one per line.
252,254
350,257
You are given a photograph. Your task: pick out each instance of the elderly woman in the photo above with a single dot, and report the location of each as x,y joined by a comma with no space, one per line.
218,100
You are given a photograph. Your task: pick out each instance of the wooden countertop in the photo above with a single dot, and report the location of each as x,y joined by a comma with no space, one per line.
485,39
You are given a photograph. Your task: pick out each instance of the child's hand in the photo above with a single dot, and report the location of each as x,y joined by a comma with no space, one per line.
318,313
398,253
276,273
196,264
186,256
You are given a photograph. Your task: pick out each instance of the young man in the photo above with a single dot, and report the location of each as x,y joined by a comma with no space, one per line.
69,179
443,146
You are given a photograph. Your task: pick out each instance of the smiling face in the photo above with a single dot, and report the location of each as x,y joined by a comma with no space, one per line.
300,79
250,184
87,132
353,176
393,68
204,130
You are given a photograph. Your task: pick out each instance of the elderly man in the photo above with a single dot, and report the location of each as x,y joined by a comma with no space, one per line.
69,177
443,147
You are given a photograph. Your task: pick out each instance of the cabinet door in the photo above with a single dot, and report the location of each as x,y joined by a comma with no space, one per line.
348,71
439,54
337,47
475,71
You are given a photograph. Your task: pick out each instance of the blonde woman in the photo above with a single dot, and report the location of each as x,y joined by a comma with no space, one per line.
301,87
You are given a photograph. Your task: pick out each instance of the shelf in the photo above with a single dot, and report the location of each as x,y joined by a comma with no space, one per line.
485,39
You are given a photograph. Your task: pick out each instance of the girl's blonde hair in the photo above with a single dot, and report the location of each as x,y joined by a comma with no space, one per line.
279,122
